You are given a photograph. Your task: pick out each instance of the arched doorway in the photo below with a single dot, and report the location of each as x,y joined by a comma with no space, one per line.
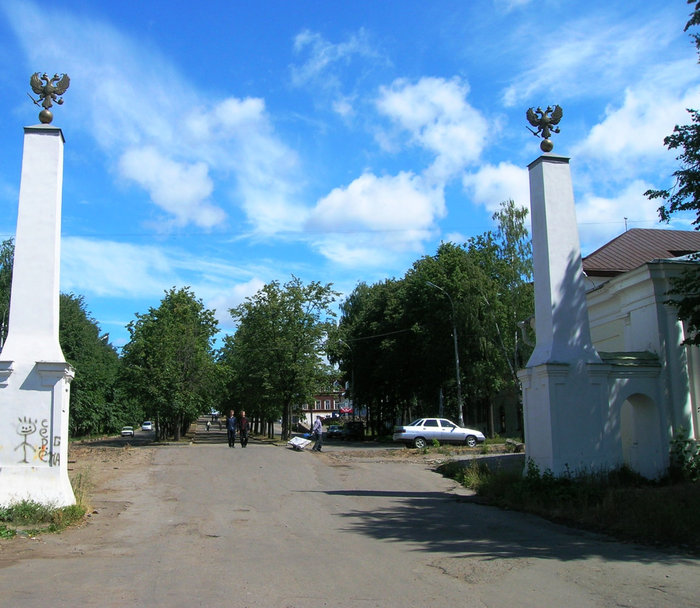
641,434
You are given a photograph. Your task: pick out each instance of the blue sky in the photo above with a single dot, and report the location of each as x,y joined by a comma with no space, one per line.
223,145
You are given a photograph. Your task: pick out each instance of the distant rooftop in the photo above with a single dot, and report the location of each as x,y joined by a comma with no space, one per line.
638,246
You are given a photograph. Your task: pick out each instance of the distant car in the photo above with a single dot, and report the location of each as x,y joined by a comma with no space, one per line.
421,432
354,430
127,431
147,426
335,431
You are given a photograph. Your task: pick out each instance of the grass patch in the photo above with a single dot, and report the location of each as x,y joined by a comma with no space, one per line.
31,518
619,503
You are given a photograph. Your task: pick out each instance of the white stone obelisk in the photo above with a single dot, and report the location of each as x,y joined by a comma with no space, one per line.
561,315
34,376
564,386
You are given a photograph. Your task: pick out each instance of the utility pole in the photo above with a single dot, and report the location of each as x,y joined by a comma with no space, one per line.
454,336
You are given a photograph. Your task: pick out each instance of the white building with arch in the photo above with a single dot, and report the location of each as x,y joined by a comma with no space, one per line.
633,326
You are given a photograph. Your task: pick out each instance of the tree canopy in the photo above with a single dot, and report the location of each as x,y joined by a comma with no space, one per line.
7,256
168,363
274,361
395,339
94,407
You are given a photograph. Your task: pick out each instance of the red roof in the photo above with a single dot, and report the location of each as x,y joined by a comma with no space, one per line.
638,246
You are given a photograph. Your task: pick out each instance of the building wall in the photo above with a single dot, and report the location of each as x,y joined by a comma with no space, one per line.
627,314
324,404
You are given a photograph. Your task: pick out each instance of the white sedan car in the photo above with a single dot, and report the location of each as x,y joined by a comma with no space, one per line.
421,432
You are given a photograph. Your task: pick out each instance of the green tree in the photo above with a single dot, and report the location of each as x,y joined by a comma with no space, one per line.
7,256
275,358
684,195
375,350
169,364
395,339
93,404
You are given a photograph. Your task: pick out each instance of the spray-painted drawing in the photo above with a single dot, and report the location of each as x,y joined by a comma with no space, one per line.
26,427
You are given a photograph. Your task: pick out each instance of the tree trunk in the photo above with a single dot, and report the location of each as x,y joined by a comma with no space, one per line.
176,430
286,422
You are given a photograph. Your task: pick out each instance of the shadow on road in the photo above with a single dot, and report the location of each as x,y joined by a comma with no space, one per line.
460,524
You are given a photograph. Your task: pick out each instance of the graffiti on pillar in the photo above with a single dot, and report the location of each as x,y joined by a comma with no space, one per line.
42,450
25,429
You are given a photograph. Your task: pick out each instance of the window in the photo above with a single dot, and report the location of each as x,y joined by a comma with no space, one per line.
431,422
317,406
328,404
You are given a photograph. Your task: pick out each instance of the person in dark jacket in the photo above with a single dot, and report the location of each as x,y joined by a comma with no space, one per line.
231,429
243,429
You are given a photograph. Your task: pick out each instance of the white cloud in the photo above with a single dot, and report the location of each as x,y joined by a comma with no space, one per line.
491,185
224,300
600,219
378,215
378,203
586,57
508,5
115,269
178,188
438,118
637,128
343,107
322,56
130,98
108,268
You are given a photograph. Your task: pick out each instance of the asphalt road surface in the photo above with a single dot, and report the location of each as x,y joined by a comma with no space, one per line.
265,526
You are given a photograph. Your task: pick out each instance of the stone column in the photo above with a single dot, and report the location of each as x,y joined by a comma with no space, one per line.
34,376
564,385
561,315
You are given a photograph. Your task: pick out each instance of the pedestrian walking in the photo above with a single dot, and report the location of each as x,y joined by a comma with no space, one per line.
208,425
231,429
243,429
317,432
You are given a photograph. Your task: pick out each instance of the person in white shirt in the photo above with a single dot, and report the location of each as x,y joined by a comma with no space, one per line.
317,432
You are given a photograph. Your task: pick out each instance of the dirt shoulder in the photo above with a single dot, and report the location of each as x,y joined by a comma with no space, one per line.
92,465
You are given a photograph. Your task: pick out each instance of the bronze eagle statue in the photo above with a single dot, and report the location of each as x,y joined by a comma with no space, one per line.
546,123
49,91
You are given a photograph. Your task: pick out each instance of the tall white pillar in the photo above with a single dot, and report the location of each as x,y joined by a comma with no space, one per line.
561,314
564,382
34,376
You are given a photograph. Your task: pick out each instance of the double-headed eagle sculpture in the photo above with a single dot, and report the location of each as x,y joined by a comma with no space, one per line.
49,92
545,122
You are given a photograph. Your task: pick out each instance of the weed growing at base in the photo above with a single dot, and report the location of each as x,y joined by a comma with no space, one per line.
32,518
620,503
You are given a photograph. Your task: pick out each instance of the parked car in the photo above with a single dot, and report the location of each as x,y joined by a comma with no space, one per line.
421,432
335,431
127,431
147,426
354,430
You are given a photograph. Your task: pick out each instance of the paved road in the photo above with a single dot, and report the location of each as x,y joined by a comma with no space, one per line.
206,525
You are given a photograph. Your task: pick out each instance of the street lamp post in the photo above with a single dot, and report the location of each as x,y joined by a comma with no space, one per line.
352,374
454,336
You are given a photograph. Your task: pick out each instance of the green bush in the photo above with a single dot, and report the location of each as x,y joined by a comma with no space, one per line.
685,457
